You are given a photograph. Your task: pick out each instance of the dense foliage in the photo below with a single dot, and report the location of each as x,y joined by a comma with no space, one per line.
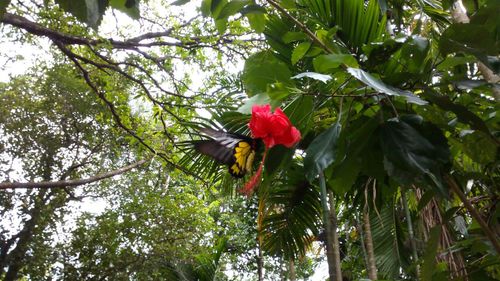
396,175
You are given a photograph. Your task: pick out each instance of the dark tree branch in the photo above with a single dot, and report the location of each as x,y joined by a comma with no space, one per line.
473,212
115,114
71,183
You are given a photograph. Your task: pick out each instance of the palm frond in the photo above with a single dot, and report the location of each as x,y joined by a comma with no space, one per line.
291,217
359,22
388,240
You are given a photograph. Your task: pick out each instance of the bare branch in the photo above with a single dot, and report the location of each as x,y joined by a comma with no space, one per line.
68,183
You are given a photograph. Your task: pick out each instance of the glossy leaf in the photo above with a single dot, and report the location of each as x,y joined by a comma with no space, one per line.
381,87
259,99
322,152
313,75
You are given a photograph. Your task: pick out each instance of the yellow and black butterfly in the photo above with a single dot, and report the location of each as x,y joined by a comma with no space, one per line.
235,150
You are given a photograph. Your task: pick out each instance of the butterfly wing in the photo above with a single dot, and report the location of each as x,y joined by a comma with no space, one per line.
244,153
236,151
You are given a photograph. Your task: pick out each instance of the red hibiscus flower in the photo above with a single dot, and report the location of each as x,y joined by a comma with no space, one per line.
273,128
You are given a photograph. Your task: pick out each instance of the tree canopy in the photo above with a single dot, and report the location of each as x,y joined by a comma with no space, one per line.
395,176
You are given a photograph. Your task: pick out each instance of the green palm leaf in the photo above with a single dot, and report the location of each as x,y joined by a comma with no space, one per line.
291,216
359,23
387,236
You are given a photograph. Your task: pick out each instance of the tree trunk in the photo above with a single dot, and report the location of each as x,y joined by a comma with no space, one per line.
372,267
359,227
410,232
334,237
260,264
292,275
15,258
330,257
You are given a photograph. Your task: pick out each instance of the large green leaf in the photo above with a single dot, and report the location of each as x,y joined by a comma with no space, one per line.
467,37
232,8
3,7
381,87
129,7
257,21
299,51
327,63
344,173
261,69
88,11
322,152
259,99
414,150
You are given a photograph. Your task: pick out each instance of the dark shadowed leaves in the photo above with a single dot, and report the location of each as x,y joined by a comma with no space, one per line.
414,151
479,147
344,173
3,7
322,152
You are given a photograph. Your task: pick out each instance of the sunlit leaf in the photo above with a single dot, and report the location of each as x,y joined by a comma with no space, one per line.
257,21
232,8
327,63
313,75
299,51
262,69
381,87
90,12
129,7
